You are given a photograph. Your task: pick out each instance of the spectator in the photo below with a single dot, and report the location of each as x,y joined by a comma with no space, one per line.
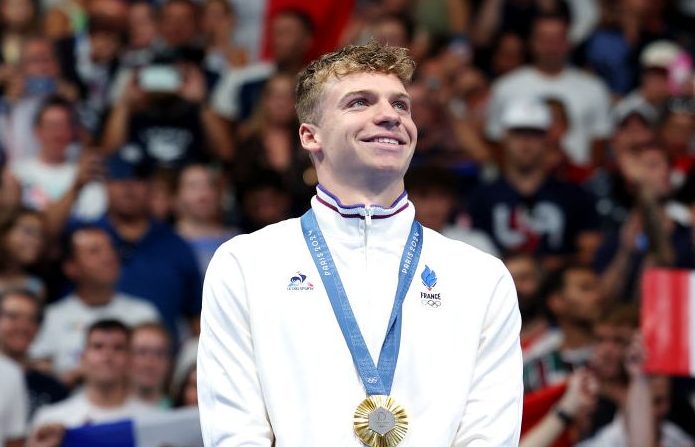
18,19
642,419
586,98
13,404
199,212
433,191
649,236
90,60
163,115
53,173
20,316
156,264
21,245
292,33
186,394
527,209
151,351
528,277
268,140
575,303
264,200
105,395
37,76
655,61
92,264
217,26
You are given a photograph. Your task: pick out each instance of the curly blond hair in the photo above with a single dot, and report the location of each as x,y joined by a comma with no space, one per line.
370,58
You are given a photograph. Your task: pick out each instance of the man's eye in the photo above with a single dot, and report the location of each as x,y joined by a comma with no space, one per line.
401,105
358,103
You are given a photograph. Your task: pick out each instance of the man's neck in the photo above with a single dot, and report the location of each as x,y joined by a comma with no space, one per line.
150,395
130,229
107,396
94,295
20,358
51,160
192,227
550,70
526,182
576,336
369,195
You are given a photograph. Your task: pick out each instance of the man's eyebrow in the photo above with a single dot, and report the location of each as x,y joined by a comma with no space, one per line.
397,95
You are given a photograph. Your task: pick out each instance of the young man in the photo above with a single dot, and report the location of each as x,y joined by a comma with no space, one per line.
106,395
92,263
284,361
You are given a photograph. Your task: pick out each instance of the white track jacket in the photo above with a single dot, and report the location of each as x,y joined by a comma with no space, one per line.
274,369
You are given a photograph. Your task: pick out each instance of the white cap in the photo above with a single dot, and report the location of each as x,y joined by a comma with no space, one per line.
659,54
528,113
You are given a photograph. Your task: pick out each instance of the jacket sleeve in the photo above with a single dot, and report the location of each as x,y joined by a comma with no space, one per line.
232,409
492,416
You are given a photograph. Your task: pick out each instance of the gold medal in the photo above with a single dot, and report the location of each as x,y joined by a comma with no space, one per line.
380,422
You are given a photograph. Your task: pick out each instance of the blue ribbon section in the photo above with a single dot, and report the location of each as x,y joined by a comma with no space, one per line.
377,380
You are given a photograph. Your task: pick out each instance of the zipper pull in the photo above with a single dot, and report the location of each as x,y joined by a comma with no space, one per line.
368,215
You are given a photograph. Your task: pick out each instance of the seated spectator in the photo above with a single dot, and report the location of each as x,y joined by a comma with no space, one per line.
36,78
21,244
156,264
52,174
93,265
586,97
151,354
18,19
13,404
170,122
527,209
641,420
186,393
291,38
528,277
264,200
649,236
652,93
269,141
20,316
433,192
199,212
218,20
574,300
106,393
615,185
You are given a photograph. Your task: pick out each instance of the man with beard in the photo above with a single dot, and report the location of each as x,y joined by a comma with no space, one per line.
573,298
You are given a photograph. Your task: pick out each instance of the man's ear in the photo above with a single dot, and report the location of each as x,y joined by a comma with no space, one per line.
308,136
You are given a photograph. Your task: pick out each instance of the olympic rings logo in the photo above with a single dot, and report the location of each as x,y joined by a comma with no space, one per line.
431,303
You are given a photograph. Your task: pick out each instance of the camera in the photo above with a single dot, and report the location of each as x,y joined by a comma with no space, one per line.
162,78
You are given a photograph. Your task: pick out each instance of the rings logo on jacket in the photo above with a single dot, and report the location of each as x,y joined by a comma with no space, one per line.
299,282
429,280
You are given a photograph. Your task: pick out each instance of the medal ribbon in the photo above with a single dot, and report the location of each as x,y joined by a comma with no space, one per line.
378,379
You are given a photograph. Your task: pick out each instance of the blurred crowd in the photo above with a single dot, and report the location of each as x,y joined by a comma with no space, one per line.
136,136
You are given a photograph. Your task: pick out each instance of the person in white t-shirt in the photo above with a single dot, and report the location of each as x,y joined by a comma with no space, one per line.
106,394
14,404
53,173
586,97
92,263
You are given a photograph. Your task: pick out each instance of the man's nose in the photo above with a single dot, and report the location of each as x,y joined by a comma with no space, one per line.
386,115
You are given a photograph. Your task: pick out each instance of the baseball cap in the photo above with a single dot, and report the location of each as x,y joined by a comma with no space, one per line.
527,113
121,167
659,54
625,109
